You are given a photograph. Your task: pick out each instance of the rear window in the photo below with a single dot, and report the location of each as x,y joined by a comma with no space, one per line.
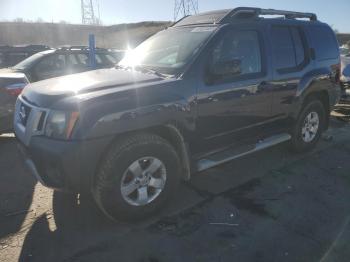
324,42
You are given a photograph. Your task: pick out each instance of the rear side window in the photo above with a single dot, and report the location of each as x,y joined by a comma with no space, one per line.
298,45
288,48
324,42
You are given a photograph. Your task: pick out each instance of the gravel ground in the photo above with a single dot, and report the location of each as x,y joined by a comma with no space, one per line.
270,206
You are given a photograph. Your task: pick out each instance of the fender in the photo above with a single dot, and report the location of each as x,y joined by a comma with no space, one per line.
137,109
313,82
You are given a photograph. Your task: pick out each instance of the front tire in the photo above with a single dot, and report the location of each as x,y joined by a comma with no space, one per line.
137,176
309,127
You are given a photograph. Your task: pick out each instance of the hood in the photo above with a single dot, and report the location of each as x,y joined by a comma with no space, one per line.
47,92
11,73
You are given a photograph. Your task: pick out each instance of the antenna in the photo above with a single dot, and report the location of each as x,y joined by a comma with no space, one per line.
88,16
185,7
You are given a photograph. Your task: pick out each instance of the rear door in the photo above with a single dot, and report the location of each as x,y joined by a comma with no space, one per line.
291,61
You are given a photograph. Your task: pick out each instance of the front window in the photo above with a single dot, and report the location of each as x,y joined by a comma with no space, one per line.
168,51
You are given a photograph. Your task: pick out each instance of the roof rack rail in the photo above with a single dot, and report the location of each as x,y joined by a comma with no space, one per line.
256,12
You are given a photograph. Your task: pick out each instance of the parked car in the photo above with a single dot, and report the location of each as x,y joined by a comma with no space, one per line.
45,65
12,55
211,88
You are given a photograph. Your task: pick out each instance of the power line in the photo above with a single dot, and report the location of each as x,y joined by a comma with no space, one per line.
185,7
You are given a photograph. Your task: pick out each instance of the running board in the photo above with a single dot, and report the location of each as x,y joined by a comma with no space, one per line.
234,153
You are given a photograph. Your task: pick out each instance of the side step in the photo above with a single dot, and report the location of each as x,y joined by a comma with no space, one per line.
234,153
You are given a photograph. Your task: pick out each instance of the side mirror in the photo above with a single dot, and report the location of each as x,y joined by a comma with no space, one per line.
226,68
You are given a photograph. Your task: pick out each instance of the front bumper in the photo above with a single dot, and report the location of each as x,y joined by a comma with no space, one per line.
64,165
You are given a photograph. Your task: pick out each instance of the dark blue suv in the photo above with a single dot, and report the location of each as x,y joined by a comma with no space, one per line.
211,88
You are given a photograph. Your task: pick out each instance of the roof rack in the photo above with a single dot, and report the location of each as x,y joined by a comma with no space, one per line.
248,12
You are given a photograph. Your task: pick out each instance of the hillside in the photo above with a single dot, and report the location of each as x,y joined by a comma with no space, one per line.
116,36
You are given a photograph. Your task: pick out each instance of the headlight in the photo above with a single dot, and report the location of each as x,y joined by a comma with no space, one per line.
60,124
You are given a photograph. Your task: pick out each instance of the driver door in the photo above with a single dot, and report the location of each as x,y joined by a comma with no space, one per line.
235,106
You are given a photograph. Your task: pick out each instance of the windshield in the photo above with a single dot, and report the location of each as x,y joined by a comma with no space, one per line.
28,62
168,51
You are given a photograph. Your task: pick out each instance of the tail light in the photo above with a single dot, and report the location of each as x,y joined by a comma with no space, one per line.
15,89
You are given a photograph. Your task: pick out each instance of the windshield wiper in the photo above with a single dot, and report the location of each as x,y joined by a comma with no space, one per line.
150,70
143,69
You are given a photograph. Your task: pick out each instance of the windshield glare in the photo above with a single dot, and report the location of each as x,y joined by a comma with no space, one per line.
168,51
27,62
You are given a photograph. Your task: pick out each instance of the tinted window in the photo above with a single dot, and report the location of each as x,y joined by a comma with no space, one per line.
324,42
241,45
288,48
105,59
113,59
50,66
283,48
83,59
98,59
298,44
72,60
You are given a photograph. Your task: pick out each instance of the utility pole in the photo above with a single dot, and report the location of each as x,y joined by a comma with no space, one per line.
184,8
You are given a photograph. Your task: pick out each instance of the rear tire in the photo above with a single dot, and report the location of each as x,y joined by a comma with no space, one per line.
136,177
309,127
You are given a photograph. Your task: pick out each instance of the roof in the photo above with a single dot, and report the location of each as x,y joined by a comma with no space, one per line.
238,14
